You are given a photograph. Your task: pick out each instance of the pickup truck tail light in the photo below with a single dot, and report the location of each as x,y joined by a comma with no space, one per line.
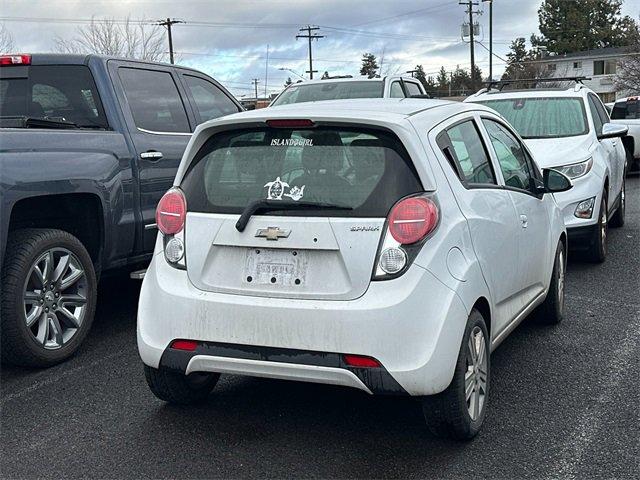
6,60
171,212
409,224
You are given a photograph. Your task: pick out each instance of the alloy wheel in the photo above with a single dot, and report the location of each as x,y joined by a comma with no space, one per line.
55,298
561,266
475,379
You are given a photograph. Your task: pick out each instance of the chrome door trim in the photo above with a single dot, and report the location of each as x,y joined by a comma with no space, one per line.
152,132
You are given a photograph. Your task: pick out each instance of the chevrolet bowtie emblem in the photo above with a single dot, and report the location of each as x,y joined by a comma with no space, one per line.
272,233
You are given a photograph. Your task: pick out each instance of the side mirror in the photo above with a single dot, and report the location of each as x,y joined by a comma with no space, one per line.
613,130
555,182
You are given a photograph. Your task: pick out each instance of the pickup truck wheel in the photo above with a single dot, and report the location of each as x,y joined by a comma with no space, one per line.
174,387
48,297
459,411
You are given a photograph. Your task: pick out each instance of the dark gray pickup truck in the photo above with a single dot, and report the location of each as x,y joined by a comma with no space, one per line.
88,146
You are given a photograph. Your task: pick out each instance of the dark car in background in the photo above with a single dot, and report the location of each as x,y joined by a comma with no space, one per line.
88,146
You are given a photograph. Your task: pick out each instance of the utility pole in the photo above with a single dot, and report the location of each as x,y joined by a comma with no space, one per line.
310,36
266,72
168,23
255,84
470,4
490,38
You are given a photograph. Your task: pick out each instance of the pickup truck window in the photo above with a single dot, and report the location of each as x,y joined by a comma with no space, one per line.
629,110
396,90
412,89
154,99
53,92
210,101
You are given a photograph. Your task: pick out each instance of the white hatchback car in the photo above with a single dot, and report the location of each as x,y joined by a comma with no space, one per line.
569,130
365,243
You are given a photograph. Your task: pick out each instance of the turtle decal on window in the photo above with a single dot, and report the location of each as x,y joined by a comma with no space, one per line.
276,190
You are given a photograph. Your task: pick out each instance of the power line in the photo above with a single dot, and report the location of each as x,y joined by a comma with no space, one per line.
413,12
310,36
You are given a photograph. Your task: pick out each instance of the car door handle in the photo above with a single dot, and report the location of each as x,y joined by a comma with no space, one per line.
151,155
524,221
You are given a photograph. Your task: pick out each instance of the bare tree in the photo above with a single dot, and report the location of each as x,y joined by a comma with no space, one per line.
6,40
138,39
628,78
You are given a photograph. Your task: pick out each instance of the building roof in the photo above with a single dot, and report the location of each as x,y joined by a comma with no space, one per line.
598,52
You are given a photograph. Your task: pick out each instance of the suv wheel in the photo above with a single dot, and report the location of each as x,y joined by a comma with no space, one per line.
177,388
598,250
459,411
48,297
551,311
617,219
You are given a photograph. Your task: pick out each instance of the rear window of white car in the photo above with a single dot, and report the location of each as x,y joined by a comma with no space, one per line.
364,170
328,90
544,117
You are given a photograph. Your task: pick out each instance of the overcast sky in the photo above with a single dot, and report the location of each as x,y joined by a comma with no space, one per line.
407,32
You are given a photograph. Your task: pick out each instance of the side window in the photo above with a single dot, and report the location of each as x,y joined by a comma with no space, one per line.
154,100
412,88
469,154
597,120
602,112
211,102
511,156
396,90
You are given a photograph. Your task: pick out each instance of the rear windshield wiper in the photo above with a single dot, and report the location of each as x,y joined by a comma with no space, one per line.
275,205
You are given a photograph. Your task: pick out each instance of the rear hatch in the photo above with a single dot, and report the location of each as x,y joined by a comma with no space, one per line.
320,194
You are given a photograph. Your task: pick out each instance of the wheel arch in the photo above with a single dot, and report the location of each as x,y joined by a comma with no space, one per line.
482,305
80,214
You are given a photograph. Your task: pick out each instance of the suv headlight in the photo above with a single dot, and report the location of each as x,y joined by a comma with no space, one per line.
576,170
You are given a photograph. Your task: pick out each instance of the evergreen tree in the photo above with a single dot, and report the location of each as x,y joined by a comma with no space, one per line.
578,25
369,65
431,86
521,62
325,75
420,75
442,79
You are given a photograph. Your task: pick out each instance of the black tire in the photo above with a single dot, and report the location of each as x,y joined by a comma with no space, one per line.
446,413
597,252
617,219
173,387
551,312
19,345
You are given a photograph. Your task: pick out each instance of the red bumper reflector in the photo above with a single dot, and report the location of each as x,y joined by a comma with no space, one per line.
188,345
360,361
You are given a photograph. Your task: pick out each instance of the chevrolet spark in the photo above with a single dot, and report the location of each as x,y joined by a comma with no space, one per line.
375,244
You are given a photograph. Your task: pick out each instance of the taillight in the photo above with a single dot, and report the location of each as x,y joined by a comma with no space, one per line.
15,60
171,212
412,219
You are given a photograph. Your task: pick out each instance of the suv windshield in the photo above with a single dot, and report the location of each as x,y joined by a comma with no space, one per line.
328,90
629,109
59,93
543,117
363,171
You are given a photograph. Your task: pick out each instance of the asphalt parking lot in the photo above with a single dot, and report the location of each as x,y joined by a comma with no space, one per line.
565,403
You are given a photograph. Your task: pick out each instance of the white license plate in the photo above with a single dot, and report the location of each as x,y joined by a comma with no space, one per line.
266,266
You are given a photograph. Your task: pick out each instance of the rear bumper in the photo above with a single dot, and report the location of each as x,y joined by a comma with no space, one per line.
285,364
412,325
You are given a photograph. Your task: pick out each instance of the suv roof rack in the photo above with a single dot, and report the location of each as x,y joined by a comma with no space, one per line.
500,84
